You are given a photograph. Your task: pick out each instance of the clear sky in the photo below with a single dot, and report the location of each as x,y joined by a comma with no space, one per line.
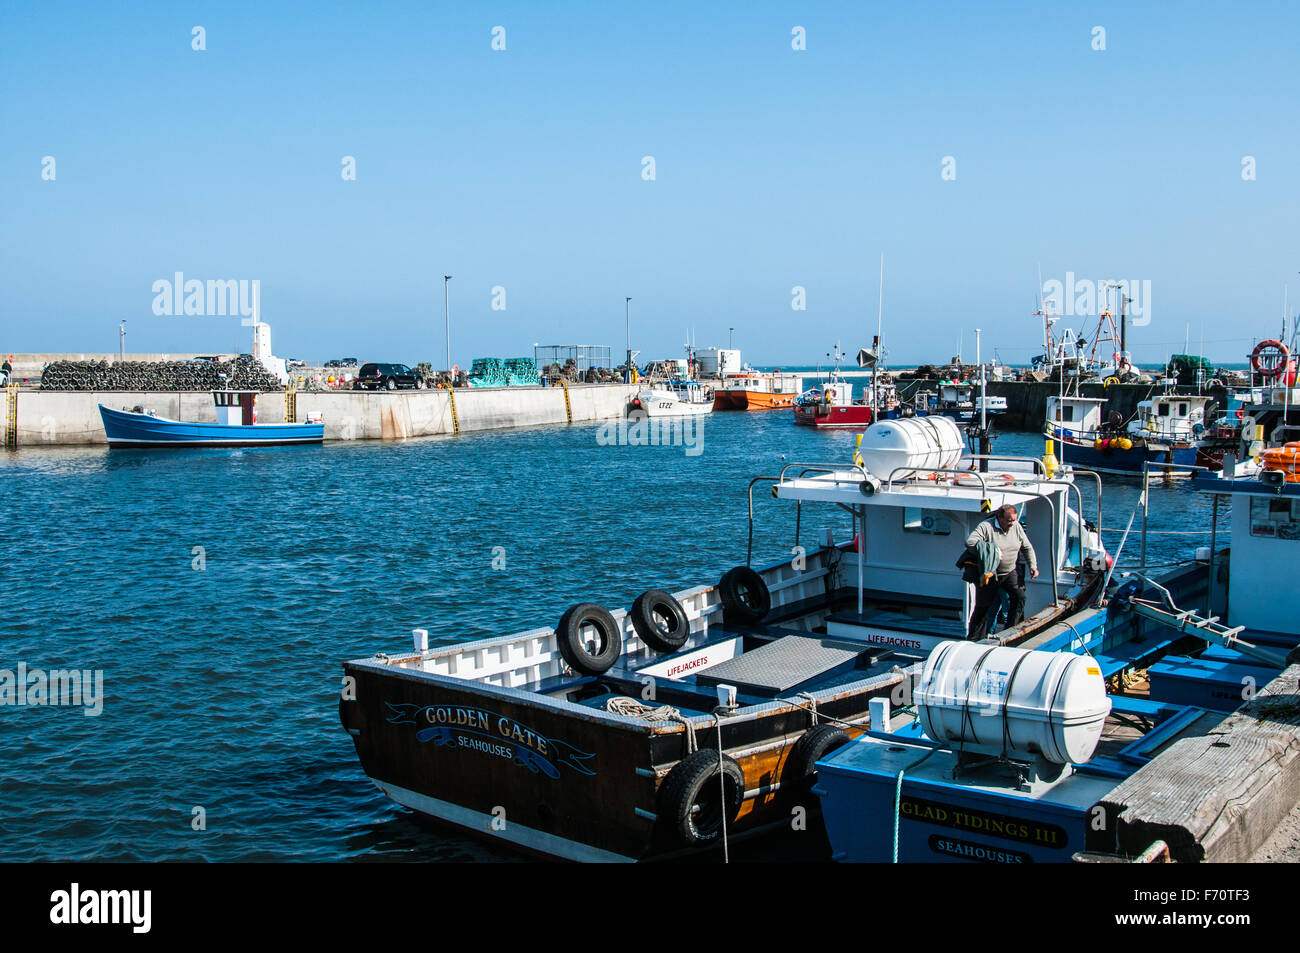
523,168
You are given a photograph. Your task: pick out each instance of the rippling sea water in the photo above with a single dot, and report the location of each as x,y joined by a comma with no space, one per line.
221,683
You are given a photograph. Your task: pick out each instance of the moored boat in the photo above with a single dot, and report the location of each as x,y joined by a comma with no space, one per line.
1080,731
234,427
695,716
832,405
1163,435
757,390
677,398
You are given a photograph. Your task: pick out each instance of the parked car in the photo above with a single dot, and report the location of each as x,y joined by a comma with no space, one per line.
387,377
341,362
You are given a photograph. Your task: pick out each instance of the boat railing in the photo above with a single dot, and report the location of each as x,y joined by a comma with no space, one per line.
807,468
1040,466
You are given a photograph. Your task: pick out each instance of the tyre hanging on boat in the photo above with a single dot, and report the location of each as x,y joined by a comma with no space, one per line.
692,801
813,745
745,595
574,645
660,621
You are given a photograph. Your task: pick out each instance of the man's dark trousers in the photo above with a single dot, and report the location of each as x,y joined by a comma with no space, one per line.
986,602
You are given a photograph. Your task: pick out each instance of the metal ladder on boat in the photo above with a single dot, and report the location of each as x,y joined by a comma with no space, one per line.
455,420
11,416
1207,628
290,402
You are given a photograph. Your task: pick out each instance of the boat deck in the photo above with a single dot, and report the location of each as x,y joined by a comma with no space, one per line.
769,663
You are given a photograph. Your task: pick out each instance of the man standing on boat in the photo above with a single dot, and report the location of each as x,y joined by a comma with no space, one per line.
1004,531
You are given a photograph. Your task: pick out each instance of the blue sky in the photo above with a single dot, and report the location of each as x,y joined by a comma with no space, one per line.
522,169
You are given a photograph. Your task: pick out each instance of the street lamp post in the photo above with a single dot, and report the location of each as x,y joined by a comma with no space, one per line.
446,306
731,335
627,305
121,341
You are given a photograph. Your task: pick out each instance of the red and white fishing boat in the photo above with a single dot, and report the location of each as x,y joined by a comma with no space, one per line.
832,404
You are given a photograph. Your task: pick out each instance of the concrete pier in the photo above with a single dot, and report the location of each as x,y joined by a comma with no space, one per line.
53,418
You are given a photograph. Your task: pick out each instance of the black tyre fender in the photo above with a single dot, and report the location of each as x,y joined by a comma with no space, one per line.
813,745
573,644
745,595
648,611
693,783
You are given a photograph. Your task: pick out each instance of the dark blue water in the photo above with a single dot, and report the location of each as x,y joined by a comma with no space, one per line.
220,683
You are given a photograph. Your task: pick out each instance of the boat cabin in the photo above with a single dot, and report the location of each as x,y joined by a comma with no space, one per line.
1170,417
235,407
1073,418
774,383
915,529
1265,546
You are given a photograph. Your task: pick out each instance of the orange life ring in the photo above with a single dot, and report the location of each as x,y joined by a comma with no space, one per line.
1275,364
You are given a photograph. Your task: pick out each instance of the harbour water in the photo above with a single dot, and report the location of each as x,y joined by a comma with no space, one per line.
218,591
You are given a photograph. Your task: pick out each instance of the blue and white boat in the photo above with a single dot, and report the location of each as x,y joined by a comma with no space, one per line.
234,427
1164,434
1027,754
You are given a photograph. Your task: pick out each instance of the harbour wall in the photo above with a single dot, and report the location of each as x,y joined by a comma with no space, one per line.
52,418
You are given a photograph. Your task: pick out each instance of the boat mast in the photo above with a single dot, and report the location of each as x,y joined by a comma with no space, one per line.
880,324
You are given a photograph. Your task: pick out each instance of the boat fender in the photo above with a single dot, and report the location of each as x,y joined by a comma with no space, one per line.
690,801
745,595
580,655
813,745
660,621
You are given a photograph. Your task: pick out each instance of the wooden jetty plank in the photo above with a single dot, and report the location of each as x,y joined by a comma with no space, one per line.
1217,797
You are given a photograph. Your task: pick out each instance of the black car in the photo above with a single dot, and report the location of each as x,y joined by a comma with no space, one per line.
387,377
341,362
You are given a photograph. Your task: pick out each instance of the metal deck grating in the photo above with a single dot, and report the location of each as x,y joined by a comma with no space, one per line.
782,664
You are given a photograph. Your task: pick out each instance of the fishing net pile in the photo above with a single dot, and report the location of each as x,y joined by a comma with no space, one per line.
242,373
512,372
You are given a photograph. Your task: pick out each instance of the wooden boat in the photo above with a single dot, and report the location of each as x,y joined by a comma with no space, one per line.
614,735
234,427
1181,653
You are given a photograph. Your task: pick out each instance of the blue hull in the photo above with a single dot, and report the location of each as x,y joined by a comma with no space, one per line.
125,429
1127,462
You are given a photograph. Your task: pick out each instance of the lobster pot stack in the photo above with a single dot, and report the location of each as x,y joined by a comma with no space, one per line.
243,374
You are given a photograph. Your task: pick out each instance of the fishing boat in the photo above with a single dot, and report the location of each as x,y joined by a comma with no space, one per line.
832,405
675,398
1113,738
1163,434
695,717
235,426
958,400
755,390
